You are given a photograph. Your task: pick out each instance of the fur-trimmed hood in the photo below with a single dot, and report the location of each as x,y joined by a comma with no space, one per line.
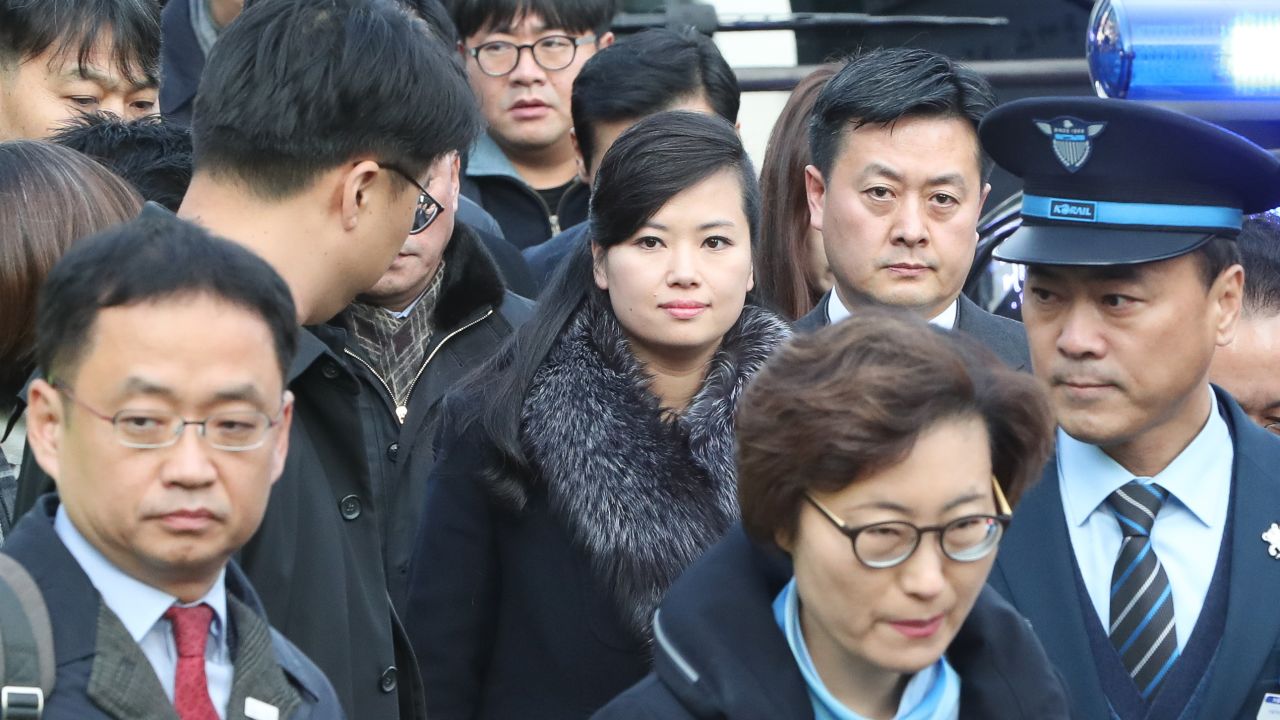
641,494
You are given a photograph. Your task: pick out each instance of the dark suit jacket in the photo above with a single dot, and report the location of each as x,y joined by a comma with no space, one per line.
1002,336
1034,572
101,672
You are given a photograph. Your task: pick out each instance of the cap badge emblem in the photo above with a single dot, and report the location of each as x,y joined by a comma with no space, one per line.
1071,139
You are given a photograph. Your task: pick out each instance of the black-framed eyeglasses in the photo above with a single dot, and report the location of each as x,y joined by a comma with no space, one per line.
428,207
886,544
235,431
553,52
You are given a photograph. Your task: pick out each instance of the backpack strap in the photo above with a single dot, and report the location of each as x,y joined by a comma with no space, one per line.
26,644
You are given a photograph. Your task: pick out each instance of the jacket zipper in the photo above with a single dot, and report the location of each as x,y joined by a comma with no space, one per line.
402,408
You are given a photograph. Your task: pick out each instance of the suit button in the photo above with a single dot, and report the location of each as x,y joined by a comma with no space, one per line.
392,451
329,370
349,506
388,680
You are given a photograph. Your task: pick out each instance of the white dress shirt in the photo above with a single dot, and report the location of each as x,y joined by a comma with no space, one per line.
141,609
836,311
1188,529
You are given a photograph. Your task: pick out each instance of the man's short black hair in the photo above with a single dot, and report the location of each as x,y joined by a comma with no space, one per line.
647,73
574,16
151,154
297,87
28,28
1259,243
883,86
152,258
437,18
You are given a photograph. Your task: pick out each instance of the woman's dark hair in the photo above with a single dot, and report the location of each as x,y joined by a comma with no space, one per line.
50,197
652,162
834,406
783,275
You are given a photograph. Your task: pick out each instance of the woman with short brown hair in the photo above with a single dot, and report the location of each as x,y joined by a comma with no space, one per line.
874,459
50,197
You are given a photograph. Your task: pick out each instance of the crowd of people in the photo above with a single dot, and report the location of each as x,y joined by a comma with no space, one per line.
518,391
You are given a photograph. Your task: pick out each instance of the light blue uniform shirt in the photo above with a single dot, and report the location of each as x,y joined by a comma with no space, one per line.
1188,529
141,609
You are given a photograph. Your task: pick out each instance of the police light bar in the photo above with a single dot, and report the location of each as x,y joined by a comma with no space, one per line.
1185,50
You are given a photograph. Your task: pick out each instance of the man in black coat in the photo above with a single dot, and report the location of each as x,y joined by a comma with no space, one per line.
141,329
896,188
440,311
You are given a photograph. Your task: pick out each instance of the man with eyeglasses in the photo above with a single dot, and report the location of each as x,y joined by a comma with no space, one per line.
522,57
320,166
440,311
1146,557
164,420
1246,368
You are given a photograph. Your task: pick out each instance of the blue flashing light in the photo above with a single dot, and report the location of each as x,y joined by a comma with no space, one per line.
1185,49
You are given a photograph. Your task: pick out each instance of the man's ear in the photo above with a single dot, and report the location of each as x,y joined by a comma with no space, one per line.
455,178
1227,296
815,188
280,447
580,162
605,40
357,183
45,426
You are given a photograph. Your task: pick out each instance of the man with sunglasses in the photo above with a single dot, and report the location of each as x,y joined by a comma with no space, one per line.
522,57
163,417
440,311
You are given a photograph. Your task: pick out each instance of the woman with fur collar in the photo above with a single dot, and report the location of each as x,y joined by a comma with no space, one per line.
590,462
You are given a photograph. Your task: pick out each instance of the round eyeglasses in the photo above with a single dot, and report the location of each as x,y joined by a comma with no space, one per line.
553,52
886,544
236,430
428,208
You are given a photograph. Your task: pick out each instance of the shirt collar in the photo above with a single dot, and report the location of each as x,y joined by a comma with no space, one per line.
1094,475
138,605
836,311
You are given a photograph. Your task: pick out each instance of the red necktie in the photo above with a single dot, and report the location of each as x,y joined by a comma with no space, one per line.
190,688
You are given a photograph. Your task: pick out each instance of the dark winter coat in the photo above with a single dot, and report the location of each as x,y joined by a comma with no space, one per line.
492,182
101,673
531,596
472,316
720,654
545,258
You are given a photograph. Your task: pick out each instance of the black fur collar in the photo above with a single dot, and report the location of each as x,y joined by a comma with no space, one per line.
471,280
643,496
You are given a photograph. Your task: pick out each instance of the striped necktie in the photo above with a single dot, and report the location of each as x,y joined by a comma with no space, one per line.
1142,626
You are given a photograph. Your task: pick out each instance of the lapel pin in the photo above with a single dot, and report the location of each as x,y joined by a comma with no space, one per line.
1272,536
255,709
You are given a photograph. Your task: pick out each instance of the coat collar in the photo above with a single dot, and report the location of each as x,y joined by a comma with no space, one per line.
122,681
595,433
1038,548
722,653
1252,629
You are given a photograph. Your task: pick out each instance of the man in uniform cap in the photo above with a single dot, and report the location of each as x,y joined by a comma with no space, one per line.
1147,557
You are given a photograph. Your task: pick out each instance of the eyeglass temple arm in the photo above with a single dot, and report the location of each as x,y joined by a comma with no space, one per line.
1002,504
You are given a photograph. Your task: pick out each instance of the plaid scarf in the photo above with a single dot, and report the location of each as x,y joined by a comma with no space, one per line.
396,346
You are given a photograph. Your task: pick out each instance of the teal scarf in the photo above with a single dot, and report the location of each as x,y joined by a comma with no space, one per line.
931,694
